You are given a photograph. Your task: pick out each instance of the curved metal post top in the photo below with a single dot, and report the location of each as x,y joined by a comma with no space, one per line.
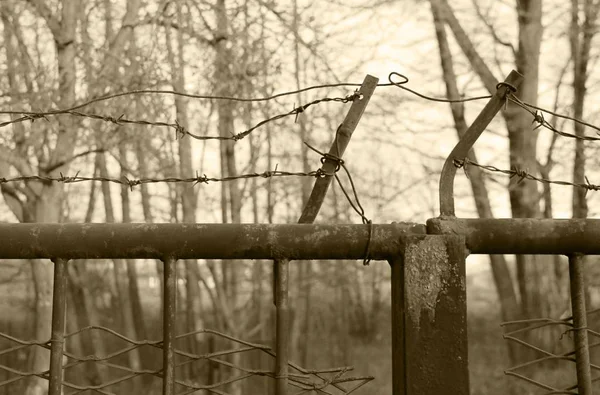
462,148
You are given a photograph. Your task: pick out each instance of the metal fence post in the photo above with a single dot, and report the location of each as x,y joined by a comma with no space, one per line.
57,340
169,313
429,317
582,351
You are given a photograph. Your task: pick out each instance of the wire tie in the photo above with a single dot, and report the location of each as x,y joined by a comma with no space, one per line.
393,73
355,96
568,331
320,173
458,163
508,85
339,162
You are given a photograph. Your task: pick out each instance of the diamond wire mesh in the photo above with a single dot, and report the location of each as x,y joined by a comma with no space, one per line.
550,370
331,381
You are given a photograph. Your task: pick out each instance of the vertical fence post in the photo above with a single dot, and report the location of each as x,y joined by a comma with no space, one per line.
582,352
429,317
169,312
57,339
282,326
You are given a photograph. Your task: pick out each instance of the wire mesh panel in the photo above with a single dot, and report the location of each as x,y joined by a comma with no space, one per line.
573,330
168,353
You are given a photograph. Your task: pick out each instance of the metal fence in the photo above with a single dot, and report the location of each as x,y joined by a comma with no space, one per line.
429,327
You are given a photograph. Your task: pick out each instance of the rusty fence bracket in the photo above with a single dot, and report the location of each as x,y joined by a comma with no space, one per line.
460,151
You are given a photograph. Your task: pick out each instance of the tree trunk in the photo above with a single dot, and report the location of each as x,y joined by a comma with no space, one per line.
537,286
300,337
48,207
120,273
86,314
223,80
509,306
580,37
139,327
188,195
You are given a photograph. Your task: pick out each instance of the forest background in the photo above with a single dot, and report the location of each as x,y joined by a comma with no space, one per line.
55,54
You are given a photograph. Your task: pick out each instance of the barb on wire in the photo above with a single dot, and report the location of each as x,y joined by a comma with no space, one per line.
538,117
524,175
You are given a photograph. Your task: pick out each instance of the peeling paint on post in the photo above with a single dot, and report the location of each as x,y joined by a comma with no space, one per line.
429,317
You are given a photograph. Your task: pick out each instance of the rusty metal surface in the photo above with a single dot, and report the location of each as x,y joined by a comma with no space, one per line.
429,318
57,339
523,235
282,335
460,151
580,338
209,241
169,314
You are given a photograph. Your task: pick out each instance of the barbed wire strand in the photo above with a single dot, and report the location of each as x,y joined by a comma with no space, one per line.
32,115
180,131
204,179
524,175
134,182
538,117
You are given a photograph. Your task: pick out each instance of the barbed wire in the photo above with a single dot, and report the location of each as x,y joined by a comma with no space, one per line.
535,111
538,114
198,179
180,130
524,175
204,179
538,117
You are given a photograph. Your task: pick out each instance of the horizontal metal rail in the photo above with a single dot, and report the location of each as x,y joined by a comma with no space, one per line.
203,241
292,241
523,235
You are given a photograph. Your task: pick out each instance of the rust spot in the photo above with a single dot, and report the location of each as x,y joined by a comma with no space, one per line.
427,274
